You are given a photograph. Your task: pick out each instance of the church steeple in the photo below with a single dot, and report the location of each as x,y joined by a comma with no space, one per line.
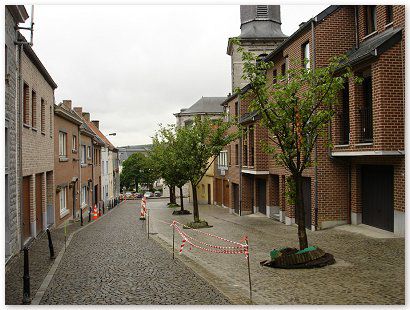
261,33
260,21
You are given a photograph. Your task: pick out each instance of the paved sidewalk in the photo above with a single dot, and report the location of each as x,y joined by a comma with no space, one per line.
368,270
39,263
113,263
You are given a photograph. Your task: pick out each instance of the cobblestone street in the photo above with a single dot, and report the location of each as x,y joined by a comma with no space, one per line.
112,262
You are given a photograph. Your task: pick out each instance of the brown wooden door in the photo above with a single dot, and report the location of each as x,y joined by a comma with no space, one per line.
378,196
261,192
235,189
226,193
209,194
218,191
26,207
39,203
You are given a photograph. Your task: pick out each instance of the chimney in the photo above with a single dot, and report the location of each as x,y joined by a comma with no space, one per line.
78,110
67,104
97,124
86,116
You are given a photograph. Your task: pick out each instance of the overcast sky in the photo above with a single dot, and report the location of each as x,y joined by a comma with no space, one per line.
133,66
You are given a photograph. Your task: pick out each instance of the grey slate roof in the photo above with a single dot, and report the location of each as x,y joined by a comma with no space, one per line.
374,46
205,105
126,151
249,117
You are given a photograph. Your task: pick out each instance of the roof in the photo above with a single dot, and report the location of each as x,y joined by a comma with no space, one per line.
374,46
102,136
18,12
126,151
249,117
37,62
70,115
205,105
97,133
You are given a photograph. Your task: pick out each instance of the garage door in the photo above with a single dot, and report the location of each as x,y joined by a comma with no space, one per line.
377,196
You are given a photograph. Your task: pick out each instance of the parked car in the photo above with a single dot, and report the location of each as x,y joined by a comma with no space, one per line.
139,195
149,194
157,194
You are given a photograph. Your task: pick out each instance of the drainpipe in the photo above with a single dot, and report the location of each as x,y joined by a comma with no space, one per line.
356,28
240,160
20,144
316,172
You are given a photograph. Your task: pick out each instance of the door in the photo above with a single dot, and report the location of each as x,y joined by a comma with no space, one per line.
26,207
218,191
307,202
225,193
209,194
39,204
236,197
377,197
261,192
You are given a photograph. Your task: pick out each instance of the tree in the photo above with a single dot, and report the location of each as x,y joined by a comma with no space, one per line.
137,169
297,110
170,164
199,145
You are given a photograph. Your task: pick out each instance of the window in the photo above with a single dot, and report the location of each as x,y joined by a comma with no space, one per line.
43,116
33,109
251,146
63,200
106,163
83,154
389,14
83,195
89,152
26,108
370,19
223,160
236,154
229,155
74,146
236,109
62,144
306,56
261,11
51,121
274,76
245,147
366,112
227,116
188,123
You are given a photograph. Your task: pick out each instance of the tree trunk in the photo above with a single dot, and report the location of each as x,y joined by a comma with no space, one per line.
195,203
181,198
300,212
136,184
172,198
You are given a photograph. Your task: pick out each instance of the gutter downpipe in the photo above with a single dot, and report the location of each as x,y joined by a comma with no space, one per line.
356,26
240,160
20,144
316,172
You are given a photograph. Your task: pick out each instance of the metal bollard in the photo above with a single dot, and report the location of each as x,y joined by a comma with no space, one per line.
50,244
81,217
26,279
89,215
103,208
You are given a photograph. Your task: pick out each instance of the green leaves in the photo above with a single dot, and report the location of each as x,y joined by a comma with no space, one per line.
297,108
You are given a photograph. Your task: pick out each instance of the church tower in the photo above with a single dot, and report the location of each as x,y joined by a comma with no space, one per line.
260,34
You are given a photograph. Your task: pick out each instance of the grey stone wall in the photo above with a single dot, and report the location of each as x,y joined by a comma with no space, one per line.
12,224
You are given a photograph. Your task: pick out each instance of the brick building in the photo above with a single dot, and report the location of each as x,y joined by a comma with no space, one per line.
14,15
37,144
361,178
66,162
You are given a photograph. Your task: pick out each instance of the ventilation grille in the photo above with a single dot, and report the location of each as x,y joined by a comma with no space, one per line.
262,11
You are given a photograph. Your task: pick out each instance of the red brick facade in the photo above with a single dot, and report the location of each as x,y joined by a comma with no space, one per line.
372,143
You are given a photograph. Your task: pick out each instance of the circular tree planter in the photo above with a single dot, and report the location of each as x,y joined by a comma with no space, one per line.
197,225
181,212
291,258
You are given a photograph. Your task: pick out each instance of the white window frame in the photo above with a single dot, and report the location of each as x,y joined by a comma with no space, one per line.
74,143
63,201
83,154
88,151
223,160
306,55
62,144
84,195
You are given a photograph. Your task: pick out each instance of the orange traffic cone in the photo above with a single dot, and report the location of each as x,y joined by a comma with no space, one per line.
95,213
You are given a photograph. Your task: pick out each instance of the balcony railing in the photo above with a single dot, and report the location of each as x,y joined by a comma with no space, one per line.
366,124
